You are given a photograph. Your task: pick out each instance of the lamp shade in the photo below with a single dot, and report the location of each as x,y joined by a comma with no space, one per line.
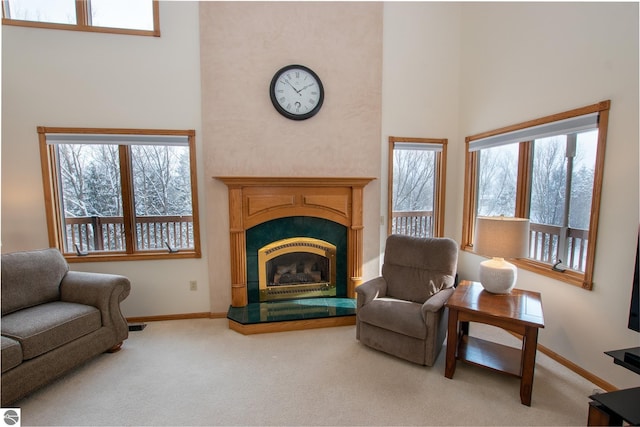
502,237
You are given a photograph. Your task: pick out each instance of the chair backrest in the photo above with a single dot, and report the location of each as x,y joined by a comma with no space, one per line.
31,278
417,268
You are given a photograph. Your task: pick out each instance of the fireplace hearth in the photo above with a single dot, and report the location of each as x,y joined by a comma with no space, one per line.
295,314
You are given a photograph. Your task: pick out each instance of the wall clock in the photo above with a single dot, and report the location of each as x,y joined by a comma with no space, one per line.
296,92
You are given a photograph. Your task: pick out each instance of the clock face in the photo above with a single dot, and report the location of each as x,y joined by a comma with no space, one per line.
296,92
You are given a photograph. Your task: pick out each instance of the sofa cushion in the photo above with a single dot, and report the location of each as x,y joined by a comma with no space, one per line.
31,278
48,326
11,353
403,317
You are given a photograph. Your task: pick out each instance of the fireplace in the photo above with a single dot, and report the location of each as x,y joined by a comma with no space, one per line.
302,248
296,239
298,267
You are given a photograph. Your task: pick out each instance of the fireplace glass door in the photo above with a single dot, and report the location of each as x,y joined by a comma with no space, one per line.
298,267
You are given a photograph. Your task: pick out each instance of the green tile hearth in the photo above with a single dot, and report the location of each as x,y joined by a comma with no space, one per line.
295,309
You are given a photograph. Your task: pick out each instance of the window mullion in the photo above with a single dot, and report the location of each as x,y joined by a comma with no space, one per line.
82,13
128,212
524,179
563,244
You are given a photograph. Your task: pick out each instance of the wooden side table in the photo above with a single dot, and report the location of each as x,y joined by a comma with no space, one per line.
519,311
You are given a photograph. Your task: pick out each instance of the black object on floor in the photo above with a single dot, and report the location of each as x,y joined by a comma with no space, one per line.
137,326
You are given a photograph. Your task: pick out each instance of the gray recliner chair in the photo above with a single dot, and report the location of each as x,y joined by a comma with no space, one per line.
402,312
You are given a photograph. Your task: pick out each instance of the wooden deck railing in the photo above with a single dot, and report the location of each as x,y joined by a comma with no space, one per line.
545,244
412,223
107,233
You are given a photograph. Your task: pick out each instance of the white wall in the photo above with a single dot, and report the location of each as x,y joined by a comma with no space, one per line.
78,79
521,61
421,86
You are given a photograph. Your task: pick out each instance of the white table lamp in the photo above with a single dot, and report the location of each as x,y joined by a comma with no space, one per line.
500,238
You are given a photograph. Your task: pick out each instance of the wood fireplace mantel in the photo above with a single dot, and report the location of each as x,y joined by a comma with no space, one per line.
254,200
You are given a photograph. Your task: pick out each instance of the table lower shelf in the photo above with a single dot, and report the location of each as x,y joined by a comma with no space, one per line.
490,355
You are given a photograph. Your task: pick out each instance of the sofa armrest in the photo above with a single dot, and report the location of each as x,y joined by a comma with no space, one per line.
437,301
103,291
370,290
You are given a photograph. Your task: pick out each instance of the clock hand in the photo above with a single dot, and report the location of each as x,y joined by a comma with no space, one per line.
306,87
289,83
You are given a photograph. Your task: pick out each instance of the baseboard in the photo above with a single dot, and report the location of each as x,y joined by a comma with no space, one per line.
606,386
203,315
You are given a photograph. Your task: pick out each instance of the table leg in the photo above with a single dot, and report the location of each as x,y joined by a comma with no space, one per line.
530,344
452,343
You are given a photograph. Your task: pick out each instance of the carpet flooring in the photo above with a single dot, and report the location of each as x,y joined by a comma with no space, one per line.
198,372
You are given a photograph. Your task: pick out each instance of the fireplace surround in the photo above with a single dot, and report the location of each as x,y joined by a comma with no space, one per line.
255,201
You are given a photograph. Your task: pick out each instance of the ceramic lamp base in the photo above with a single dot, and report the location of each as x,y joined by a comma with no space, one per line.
498,276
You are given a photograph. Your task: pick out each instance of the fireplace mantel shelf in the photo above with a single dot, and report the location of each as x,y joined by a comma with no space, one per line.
303,181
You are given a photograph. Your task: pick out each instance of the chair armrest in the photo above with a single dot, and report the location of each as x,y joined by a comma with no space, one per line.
370,290
103,291
437,301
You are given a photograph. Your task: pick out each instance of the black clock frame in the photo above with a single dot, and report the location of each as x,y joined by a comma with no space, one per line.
286,113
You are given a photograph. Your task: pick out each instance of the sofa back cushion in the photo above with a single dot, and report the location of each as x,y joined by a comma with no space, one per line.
31,278
417,268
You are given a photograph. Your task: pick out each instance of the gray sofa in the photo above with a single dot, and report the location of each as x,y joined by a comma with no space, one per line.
54,319
403,311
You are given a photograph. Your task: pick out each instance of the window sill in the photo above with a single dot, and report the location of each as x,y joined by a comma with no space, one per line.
569,276
76,27
104,257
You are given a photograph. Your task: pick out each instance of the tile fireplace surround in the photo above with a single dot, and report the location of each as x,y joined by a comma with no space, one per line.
257,200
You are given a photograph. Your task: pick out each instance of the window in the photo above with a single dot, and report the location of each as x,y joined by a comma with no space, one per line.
417,167
550,171
137,17
114,194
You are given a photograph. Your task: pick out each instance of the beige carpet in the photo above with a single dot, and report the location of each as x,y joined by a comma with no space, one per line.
198,372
